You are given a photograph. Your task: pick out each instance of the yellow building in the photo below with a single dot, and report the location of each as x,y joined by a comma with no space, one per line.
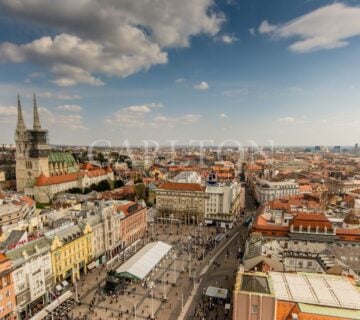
71,251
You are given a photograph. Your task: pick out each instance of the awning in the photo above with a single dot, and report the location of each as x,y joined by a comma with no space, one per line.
217,292
58,301
52,306
58,287
91,265
140,265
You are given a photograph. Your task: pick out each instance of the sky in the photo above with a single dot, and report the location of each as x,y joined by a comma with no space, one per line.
285,72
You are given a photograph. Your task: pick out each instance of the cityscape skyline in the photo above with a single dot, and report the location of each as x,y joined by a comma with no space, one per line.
240,70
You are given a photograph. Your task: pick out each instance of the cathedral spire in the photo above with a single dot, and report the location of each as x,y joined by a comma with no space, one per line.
37,125
20,118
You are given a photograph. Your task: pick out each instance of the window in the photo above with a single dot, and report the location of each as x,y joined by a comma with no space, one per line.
254,308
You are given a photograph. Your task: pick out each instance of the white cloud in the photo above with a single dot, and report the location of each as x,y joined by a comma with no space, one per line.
222,115
58,96
8,111
201,86
132,116
325,28
140,116
71,121
180,80
119,39
235,92
70,107
228,39
265,27
286,120
8,114
33,75
186,119
67,76
252,31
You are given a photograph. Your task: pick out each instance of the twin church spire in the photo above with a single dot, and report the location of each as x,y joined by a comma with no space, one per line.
36,118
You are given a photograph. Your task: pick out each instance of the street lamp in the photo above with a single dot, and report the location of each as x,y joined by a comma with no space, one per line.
189,238
174,256
76,292
164,294
152,286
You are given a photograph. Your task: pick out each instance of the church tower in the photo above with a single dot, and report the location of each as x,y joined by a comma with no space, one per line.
21,146
32,149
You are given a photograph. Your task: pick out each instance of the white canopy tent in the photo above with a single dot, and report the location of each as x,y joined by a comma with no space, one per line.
141,264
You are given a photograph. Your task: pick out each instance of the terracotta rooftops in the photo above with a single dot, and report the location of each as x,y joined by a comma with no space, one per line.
311,219
253,167
355,232
43,180
181,186
3,258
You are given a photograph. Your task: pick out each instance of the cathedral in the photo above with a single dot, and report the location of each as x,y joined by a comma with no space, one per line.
42,173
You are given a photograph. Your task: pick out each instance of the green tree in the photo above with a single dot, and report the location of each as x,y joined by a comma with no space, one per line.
140,191
118,183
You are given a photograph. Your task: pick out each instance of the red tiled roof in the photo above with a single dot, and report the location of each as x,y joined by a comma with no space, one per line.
314,316
43,180
181,186
224,175
305,187
3,258
262,224
283,309
29,201
355,232
125,208
253,167
96,173
311,219
87,166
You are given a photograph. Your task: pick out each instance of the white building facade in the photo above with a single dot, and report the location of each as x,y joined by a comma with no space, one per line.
33,278
268,190
222,204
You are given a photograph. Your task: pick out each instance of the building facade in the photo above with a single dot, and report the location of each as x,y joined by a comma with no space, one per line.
71,251
32,275
15,208
265,190
342,186
7,290
218,206
181,202
133,222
